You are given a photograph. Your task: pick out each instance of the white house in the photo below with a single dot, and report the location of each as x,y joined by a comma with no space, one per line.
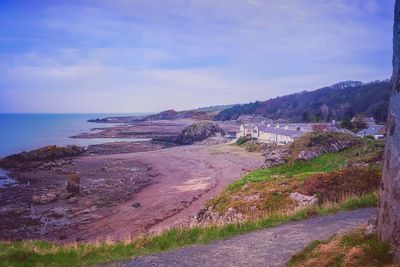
377,131
273,133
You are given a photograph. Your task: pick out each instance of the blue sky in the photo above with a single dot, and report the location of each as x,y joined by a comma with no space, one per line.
152,55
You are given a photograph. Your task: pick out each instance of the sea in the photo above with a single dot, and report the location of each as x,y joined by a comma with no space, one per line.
22,132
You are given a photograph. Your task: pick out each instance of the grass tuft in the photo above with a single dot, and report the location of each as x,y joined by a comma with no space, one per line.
355,248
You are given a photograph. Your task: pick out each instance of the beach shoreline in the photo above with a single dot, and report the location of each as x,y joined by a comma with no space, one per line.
127,188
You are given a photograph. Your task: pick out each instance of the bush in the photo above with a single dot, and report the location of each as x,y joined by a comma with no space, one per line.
242,140
371,137
338,184
353,126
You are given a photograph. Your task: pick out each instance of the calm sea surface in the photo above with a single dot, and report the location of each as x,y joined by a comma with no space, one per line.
20,132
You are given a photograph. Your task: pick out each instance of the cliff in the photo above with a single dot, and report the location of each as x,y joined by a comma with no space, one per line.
389,207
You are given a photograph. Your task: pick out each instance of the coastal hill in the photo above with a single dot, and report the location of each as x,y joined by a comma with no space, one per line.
336,102
340,101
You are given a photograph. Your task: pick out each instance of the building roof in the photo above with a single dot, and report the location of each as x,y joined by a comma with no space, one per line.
281,131
373,130
363,119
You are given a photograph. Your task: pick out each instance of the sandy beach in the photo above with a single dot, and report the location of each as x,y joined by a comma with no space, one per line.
144,188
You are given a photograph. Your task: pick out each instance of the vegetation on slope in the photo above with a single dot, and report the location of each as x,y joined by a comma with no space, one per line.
331,177
340,101
355,249
41,253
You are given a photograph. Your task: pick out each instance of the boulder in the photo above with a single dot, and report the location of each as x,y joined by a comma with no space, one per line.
197,132
303,200
44,198
275,156
73,186
208,216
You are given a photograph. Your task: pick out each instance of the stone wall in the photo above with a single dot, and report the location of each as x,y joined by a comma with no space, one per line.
389,207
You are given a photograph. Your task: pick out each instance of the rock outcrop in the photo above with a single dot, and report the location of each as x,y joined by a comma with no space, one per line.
208,216
35,157
313,145
389,206
212,141
275,156
44,198
303,200
317,151
197,132
308,147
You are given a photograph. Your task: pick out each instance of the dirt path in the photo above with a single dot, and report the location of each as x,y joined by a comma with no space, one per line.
187,177
269,247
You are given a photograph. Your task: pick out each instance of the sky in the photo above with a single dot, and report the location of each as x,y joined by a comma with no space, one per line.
123,56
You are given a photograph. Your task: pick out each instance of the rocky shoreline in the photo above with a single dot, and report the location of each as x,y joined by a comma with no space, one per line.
40,205
64,193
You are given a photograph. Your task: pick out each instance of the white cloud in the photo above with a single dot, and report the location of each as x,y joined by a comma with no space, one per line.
151,55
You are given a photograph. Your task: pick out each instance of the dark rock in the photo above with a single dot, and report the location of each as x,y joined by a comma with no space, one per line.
37,157
208,216
197,132
317,151
275,156
44,199
136,205
73,186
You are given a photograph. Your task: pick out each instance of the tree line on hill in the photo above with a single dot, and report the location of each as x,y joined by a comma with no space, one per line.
337,102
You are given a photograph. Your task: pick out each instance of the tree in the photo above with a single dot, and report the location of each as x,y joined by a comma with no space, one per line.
389,206
325,112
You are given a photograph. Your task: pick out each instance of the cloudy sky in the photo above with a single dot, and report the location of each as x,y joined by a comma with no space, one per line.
152,55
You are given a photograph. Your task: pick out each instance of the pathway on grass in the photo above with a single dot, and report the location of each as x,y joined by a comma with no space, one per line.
269,247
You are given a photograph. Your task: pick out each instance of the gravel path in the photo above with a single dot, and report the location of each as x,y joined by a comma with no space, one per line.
269,247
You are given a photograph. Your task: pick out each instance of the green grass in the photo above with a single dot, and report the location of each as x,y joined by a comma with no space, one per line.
273,185
300,169
40,253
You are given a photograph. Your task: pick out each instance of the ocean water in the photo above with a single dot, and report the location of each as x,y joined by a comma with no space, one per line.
19,132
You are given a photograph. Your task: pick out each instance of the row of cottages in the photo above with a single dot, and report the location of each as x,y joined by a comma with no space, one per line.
273,133
377,131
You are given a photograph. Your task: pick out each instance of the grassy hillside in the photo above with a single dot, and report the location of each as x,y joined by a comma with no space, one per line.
340,101
272,185
355,171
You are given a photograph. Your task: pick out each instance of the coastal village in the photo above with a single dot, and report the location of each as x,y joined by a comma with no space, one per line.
281,132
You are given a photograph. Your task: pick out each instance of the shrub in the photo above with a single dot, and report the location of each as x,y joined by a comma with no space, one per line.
371,137
338,184
242,140
355,126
